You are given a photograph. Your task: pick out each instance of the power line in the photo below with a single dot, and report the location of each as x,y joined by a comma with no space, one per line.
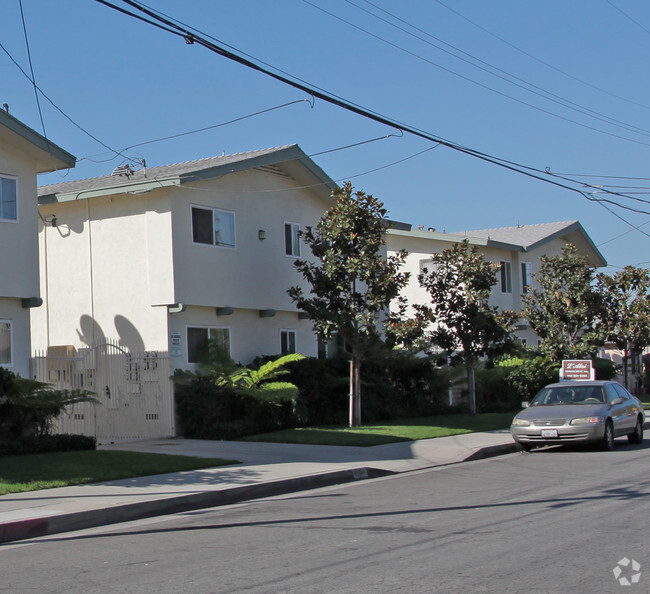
508,165
532,57
535,89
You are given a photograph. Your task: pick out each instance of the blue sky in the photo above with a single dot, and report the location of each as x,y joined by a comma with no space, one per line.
553,86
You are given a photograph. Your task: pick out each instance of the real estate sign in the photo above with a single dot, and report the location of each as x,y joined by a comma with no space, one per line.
577,369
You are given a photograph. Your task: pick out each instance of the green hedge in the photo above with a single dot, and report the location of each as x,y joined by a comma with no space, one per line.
39,444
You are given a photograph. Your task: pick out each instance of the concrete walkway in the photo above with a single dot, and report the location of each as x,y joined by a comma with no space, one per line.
264,469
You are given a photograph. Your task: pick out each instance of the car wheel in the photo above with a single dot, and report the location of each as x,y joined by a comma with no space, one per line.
608,438
637,436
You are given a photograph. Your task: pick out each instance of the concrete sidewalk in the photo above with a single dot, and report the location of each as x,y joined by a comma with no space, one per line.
264,470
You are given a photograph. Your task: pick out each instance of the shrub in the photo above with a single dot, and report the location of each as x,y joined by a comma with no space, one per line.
38,444
206,410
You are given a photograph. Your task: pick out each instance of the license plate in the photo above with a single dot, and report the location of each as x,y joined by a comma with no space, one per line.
549,432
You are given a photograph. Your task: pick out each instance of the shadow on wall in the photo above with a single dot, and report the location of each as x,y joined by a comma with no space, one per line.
129,338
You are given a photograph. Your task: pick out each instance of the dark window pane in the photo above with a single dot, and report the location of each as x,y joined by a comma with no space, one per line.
196,339
202,231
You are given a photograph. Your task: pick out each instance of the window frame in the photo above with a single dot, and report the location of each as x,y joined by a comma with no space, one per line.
214,210
14,179
209,329
289,333
10,325
293,250
526,276
506,276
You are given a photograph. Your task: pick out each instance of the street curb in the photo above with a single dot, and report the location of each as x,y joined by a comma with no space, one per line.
44,526
492,451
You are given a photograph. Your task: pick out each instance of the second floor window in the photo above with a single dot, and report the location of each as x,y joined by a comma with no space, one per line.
212,226
8,199
525,276
292,239
506,277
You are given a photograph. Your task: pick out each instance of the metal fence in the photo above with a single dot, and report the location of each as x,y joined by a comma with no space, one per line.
134,391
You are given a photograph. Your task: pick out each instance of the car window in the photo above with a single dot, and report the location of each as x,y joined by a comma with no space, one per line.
611,392
621,391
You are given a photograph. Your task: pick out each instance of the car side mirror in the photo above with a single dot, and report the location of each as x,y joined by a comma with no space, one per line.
525,404
617,400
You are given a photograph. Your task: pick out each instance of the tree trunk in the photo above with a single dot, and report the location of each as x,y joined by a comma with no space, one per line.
625,366
355,392
471,385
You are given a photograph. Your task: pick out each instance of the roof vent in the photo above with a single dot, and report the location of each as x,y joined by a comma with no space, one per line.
123,170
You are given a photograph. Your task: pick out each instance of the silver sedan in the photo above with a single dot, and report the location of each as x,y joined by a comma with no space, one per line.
579,412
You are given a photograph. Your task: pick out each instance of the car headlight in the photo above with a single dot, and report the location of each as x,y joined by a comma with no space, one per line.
521,422
586,420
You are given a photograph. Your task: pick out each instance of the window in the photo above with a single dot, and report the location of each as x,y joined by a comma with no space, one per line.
8,202
213,226
197,339
292,239
287,341
6,358
506,277
525,276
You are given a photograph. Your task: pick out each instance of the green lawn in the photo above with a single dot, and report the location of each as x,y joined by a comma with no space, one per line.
61,469
390,431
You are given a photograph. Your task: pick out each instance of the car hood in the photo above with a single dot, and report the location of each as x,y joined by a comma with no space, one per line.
562,411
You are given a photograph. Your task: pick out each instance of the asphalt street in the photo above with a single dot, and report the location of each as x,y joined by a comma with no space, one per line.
550,521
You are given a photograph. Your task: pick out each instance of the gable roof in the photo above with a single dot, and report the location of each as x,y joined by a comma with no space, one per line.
288,160
47,155
530,237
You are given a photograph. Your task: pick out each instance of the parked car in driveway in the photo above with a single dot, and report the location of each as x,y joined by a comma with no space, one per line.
579,412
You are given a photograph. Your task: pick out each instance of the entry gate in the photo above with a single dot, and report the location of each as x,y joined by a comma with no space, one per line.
134,391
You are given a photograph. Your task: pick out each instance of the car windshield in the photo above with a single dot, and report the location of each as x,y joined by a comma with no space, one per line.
569,395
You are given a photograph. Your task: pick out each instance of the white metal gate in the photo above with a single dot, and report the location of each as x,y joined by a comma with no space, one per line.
134,391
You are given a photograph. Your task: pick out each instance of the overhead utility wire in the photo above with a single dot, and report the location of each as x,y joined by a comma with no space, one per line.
532,57
192,38
180,134
31,68
474,82
65,115
535,89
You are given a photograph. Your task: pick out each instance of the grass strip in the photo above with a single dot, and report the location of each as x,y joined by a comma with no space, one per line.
62,469
389,431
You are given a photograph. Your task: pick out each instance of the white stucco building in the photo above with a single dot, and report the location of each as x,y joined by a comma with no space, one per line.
164,257
516,250
23,154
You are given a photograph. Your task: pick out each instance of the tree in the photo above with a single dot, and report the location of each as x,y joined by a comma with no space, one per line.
566,311
626,297
464,324
352,281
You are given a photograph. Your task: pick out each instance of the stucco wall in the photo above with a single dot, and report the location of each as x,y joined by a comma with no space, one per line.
255,274
103,268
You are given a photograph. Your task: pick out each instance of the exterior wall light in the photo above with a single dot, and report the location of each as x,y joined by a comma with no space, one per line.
261,235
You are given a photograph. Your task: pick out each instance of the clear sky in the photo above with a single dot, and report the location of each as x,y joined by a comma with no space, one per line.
554,86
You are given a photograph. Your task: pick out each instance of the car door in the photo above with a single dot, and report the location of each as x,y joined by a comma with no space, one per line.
629,409
617,412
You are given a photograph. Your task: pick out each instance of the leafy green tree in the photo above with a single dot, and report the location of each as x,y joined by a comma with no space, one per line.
626,296
352,281
566,312
464,324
